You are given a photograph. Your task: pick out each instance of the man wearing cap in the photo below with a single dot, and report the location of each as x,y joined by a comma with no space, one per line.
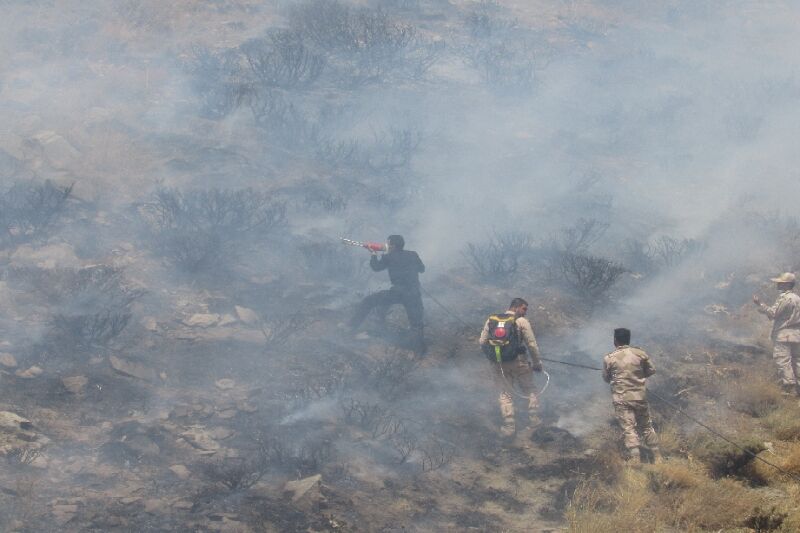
626,369
785,315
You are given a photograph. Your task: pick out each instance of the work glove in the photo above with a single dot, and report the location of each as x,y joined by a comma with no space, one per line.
536,366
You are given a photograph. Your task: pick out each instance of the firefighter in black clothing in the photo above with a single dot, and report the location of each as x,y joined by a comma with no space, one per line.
404,268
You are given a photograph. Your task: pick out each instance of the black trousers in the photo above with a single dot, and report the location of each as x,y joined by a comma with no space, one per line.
411,299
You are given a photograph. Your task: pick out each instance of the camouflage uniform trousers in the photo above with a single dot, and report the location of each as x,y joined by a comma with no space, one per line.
787,357
634,417
515,380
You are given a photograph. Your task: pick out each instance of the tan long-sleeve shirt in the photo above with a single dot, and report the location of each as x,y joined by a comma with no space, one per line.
627,370
785,315
525,332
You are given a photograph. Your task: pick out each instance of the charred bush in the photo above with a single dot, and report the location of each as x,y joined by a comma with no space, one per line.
278,329
588,275
505,67
580,237
218,80
237,473
196,229
498,259
669,251
90,306
404,444
389,152
329,261
638,256
284,123
282,60
325,201
371,417
28,210
435,454
363,45
391,375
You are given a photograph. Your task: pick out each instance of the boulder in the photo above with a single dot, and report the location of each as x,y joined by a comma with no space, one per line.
301,487
225,384
199,438
63,513
202,320
49,256
75,384
180,471
132,368
56,149
246,315
30,373
7,360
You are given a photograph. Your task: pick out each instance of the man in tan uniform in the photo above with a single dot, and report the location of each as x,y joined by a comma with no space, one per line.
785,314
626,369
512,374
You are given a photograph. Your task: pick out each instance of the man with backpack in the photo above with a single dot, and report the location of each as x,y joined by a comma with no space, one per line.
404,268
504,339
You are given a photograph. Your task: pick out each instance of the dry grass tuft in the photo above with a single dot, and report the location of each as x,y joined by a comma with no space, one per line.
598,508
758,398
716,505
784,423
675,474
786,455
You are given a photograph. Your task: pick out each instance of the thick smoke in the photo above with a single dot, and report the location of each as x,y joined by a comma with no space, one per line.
216,151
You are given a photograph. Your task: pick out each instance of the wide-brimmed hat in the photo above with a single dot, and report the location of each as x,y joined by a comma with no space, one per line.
786,277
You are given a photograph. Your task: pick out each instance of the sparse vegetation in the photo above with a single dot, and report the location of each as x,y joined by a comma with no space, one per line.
28,210
89,306
589,276
498,259
197,230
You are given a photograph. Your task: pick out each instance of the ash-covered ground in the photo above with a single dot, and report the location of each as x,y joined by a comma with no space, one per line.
174,180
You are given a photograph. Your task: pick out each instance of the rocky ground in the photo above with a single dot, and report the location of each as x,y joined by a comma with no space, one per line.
172,292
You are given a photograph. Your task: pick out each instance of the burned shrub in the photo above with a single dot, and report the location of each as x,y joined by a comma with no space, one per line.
283,122
580,237
282,60
237,473
330,261
435,454
587,275
669,251
89,306
504,66
363,45
197,229
277,330
391,375
28,210
638,256
373,418
218,80
325,201
389,152
499,258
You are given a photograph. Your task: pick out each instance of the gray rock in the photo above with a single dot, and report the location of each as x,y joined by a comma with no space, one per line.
246,315
301,487
7,360
132,369
75,384
202,320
